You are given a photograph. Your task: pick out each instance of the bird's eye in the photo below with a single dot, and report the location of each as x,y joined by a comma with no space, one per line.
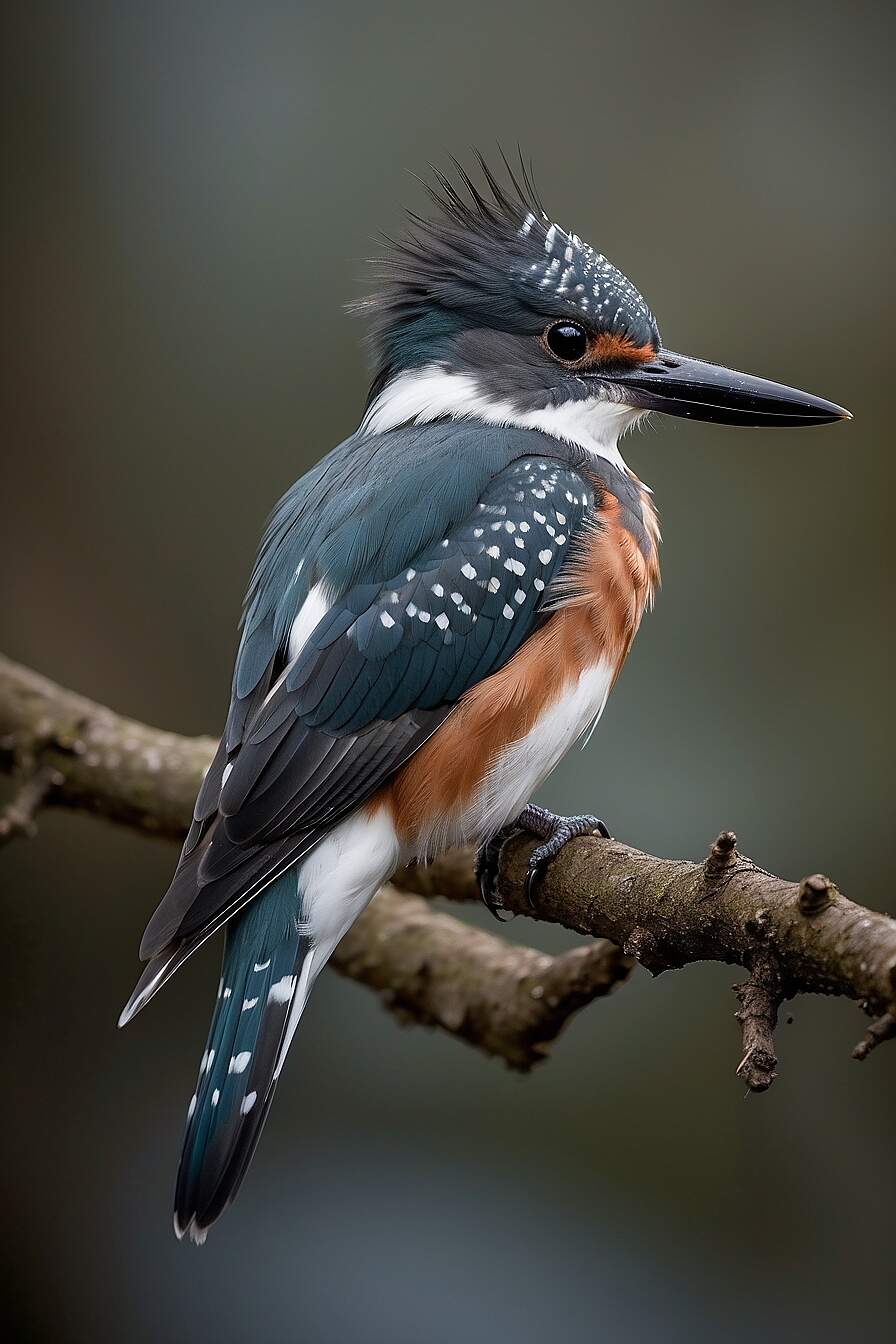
567,341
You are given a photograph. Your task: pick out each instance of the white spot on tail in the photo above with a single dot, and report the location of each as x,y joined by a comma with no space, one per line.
282,991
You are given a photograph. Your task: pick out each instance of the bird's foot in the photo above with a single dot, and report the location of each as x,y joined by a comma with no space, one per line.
554,832
487,865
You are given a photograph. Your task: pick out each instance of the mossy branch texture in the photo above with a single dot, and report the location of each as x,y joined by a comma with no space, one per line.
510,1001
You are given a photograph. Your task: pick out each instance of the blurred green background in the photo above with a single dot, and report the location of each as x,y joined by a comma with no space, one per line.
190,192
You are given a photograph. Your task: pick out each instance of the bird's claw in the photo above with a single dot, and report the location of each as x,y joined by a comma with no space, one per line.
554,832
487,866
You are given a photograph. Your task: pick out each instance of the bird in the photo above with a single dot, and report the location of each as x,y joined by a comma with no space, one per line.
437,612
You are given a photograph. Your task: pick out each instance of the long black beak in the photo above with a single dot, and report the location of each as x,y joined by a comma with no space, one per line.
679,385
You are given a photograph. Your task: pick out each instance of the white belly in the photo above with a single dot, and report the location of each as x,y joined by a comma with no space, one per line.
524,764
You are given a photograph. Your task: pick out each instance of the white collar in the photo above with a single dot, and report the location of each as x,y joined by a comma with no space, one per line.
418,396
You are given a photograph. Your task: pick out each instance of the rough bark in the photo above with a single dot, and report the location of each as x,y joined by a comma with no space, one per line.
791,937
667,913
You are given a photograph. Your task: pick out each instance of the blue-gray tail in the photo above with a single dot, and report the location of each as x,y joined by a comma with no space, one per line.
266,976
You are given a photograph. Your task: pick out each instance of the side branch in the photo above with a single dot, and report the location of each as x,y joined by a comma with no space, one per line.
505,999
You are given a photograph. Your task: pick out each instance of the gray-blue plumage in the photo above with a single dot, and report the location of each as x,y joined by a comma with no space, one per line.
308,742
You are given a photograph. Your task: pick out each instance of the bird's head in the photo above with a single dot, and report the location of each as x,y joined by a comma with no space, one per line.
488,310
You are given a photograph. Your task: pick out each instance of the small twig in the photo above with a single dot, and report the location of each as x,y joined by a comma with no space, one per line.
816,892
19,817
722,854
882,1029
760,997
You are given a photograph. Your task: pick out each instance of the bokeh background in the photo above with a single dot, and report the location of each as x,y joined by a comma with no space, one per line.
190,192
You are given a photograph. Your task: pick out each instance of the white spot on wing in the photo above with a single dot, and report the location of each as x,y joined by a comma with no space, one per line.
310,614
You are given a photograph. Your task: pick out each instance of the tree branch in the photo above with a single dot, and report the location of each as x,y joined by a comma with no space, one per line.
791,938
109,766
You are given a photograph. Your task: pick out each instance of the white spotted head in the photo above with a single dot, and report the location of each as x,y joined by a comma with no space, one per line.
479,287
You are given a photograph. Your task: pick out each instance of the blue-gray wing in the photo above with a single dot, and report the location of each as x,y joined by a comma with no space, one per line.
375,678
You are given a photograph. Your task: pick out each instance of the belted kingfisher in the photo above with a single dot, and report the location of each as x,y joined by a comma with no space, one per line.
438,611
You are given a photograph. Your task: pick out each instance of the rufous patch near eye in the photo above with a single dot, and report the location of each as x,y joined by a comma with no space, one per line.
610,348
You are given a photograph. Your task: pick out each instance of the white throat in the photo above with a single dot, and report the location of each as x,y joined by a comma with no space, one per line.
432,392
